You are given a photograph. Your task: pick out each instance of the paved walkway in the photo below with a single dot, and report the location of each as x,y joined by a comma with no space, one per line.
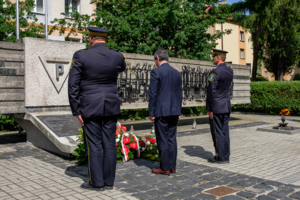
262,166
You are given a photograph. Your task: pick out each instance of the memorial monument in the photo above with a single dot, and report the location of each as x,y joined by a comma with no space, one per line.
33,88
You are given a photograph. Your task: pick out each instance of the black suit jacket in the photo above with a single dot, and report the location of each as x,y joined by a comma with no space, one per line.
93,81
218,91
165,91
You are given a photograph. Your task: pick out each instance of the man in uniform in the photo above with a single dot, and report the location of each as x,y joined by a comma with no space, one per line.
218,106
95,102
165,99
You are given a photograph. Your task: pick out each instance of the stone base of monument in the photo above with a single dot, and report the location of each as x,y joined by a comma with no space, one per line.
52,131
278,129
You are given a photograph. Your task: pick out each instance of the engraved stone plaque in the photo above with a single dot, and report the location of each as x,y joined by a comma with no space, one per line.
61,125
8,72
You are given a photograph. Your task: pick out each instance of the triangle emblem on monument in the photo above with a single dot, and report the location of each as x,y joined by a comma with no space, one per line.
57,69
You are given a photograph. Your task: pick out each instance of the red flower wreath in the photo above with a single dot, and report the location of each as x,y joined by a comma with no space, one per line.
126,150
117,144
123,128
133,145
152,141
126,140
117,133
142,143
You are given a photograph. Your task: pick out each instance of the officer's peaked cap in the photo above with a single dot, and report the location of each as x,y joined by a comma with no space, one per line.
97,31
219,52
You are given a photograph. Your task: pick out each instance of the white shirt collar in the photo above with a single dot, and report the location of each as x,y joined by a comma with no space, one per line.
162,63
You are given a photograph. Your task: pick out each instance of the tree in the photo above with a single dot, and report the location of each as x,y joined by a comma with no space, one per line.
281,49
8,21
254,22
143,26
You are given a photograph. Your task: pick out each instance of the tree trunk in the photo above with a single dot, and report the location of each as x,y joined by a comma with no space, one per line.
281,46
255,53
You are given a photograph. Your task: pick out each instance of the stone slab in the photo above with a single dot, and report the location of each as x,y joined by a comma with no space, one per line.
270,129
40,135
43,90
12,94
12,82
42,87
61,125
10,45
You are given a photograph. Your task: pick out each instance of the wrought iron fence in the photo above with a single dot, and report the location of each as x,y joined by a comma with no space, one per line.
135,83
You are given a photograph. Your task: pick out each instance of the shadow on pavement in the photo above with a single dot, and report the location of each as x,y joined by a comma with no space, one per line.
198,151
12,137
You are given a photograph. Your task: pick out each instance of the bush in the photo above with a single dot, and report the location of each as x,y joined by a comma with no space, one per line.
297,77
272,97
261,78
8,123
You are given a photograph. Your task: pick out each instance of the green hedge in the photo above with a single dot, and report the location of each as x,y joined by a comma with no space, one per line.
8,123
272,97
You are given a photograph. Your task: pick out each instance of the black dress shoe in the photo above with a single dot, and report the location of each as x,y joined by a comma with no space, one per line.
107,187
88,186
213,160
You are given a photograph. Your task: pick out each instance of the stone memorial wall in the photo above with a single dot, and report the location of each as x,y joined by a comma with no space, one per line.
46,67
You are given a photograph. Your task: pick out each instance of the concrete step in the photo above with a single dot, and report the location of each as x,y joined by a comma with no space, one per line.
12,82
14,65
12,57
12,95
12,107
11,52
12,46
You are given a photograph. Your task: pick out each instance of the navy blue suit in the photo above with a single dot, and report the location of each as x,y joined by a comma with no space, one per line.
93,95
165,99
218,102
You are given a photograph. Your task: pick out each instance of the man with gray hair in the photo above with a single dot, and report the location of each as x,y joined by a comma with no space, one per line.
165,99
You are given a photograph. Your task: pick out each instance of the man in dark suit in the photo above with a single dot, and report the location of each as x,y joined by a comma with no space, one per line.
218,106
165,99
95,103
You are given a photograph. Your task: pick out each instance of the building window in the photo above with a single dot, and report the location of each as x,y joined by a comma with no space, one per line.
71,6
38,6
242,54
72,39
242,36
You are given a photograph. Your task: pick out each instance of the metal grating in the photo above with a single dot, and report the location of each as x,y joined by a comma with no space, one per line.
221,191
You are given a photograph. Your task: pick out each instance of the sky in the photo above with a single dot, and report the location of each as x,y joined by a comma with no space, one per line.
232,1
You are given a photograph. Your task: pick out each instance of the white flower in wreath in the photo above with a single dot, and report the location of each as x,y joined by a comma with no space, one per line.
157,151
119,136
126,134
148,143
156,156
151,148
143,148
117,140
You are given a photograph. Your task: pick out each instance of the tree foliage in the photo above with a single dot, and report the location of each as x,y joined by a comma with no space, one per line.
281,39
274,26
8,21
254,22
143,26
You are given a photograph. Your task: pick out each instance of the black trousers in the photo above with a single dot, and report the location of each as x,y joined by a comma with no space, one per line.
99,135
165,130
220,134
